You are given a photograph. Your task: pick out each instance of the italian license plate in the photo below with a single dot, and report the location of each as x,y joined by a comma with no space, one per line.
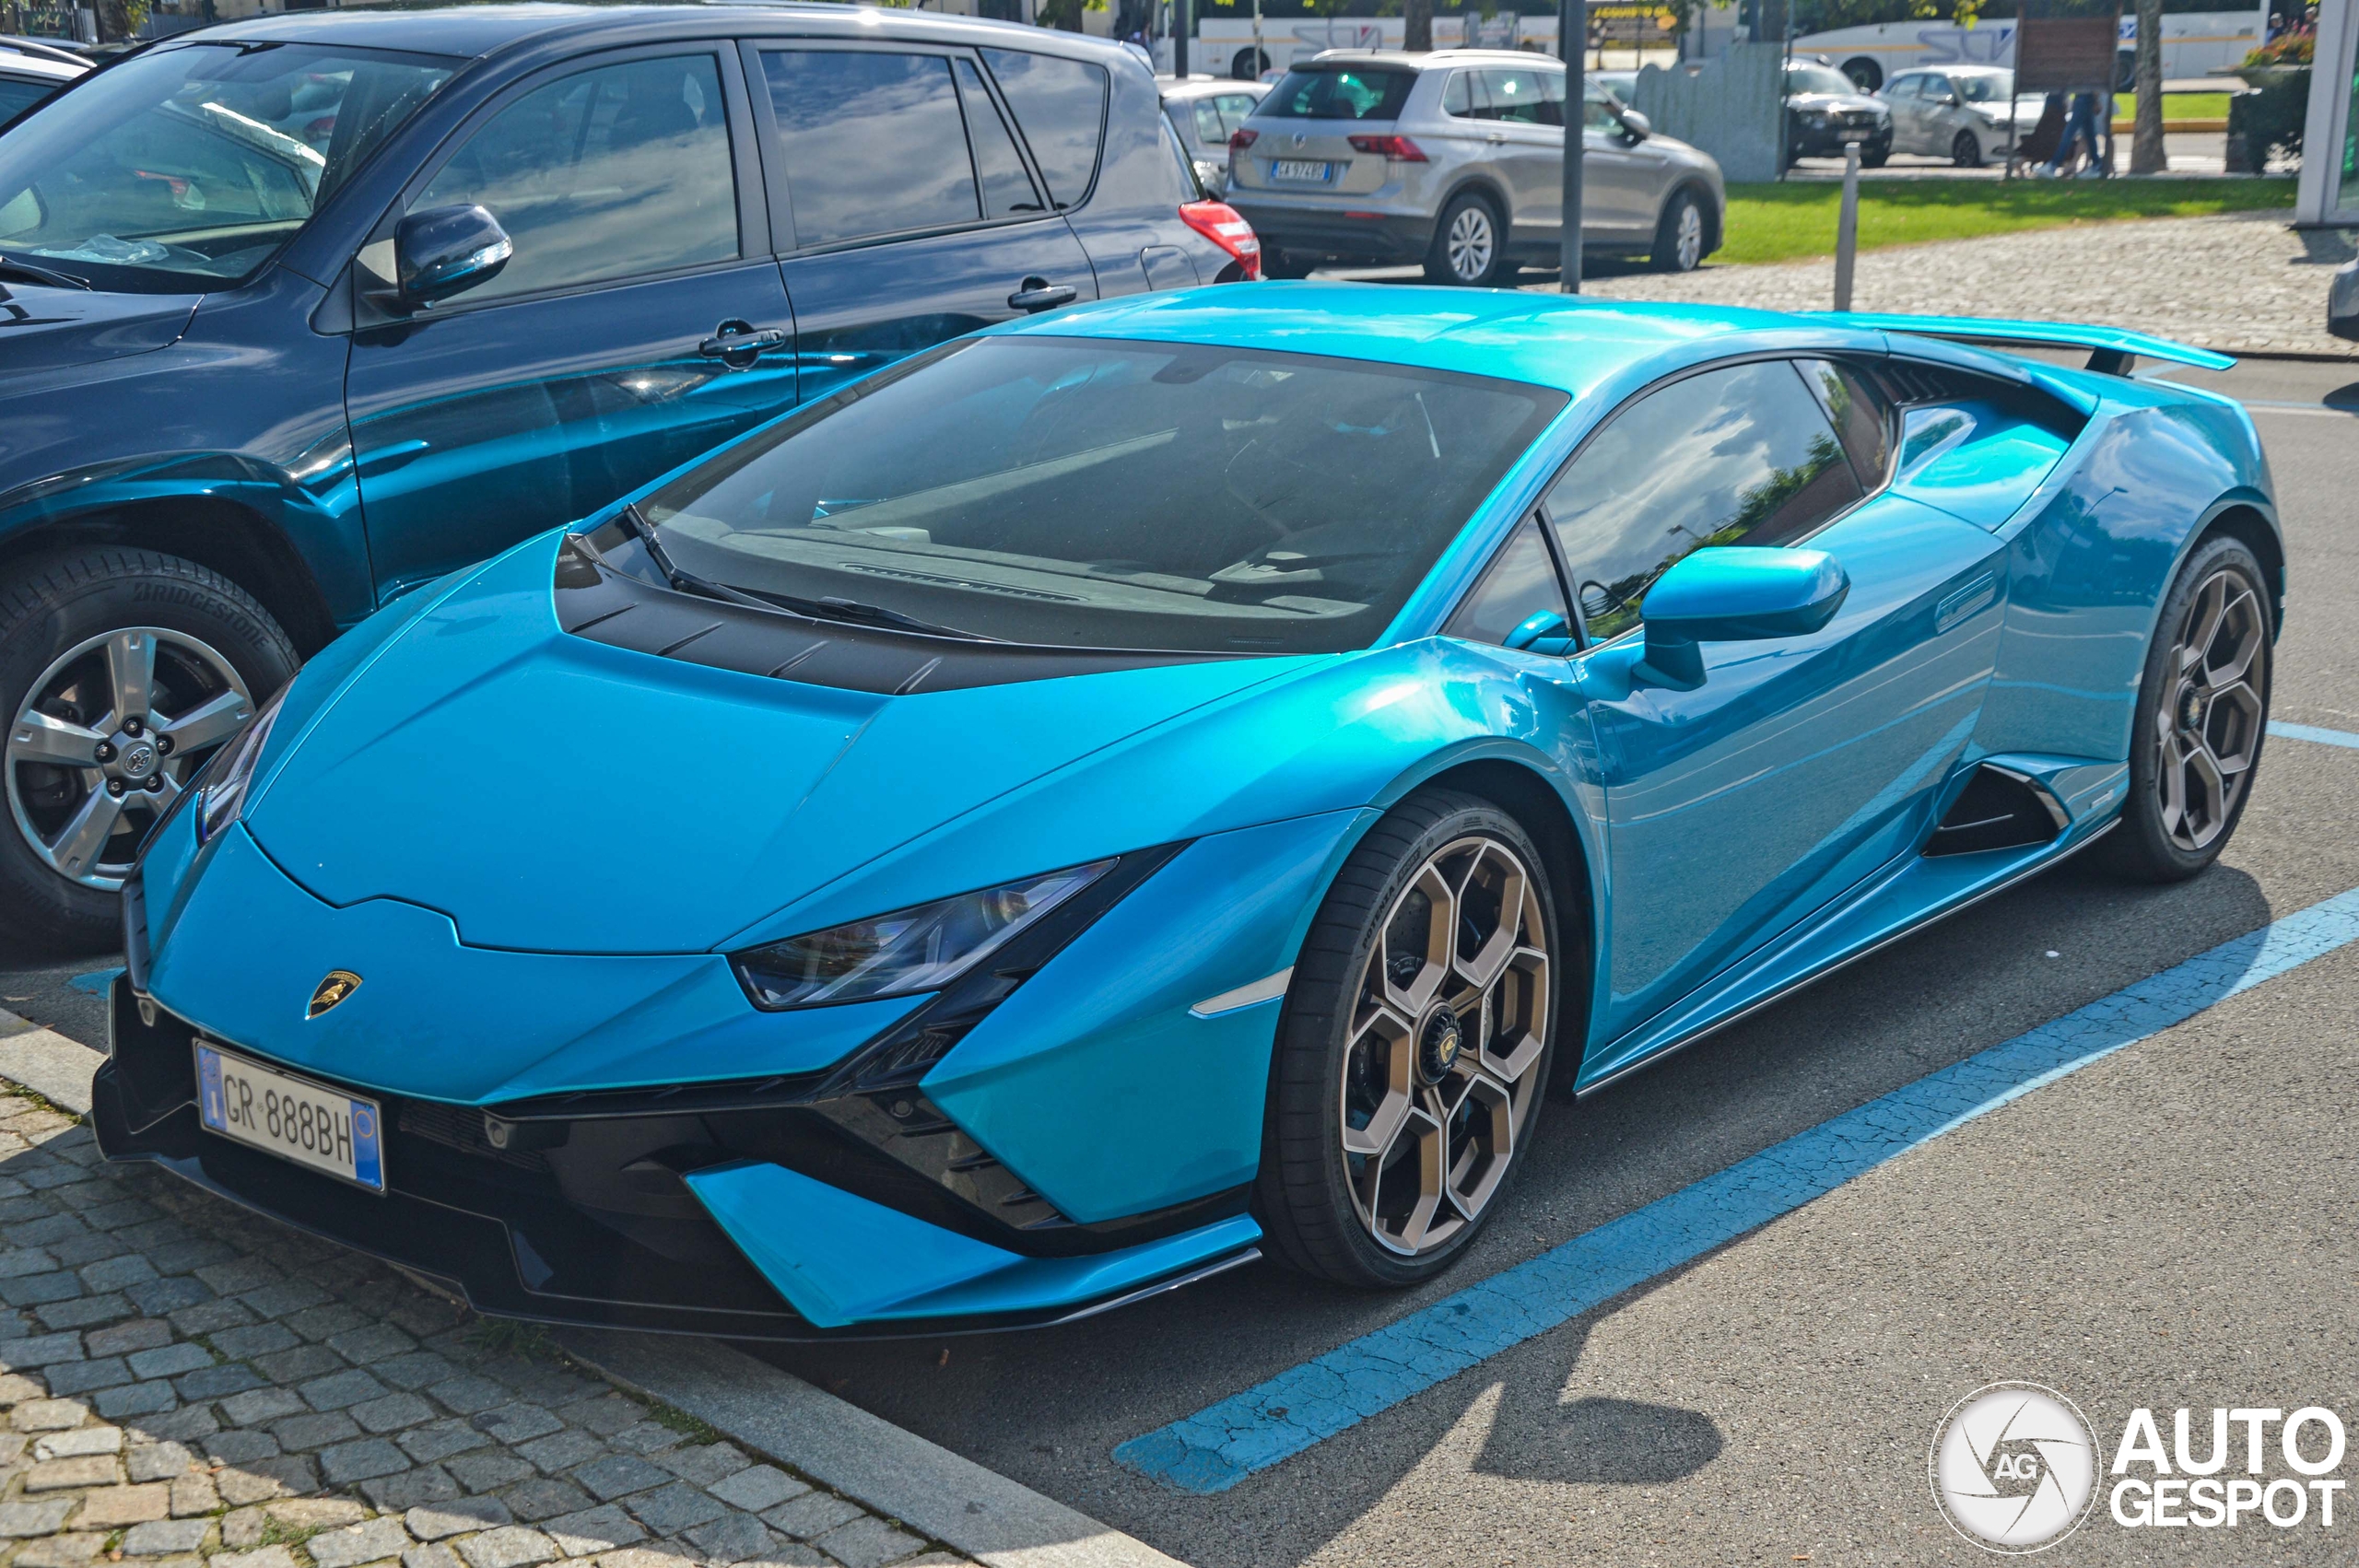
1300,169
291,1117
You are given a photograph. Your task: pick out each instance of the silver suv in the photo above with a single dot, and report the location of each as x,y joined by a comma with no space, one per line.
1456,160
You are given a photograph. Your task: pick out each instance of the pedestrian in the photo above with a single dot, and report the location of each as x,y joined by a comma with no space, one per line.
2080,129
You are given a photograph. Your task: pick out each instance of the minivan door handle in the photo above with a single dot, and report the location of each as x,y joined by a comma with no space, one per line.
1035,294
737,345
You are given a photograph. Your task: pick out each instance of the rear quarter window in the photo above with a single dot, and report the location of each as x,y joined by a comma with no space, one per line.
1355,94
1059,106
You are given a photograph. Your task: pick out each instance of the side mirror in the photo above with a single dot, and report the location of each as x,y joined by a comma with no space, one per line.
445,251
1637,124
1734,594
1545,632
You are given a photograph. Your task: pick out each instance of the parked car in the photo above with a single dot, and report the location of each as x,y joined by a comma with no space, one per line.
1140,788
1968,114
2343,301
1455,158
1206,112
1824,110
30,70
322,306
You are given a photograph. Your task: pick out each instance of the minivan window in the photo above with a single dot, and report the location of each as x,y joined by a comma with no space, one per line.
188,169
616,172
1737,456
1059,106
874,143
1082,492
1357,94
1008,190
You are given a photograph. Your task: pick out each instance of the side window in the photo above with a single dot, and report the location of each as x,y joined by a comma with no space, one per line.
1596,115
611,173
1008,190
1522,583
1743,455
1060,107
864,135
1461,97
1862,418
1190,188
1235,108
1518,96
1209,130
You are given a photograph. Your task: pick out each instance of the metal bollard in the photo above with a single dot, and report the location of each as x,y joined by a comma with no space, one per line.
1847,227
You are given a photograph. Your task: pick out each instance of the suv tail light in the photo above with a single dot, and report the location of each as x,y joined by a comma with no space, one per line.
1220,223
1241,139
1396,149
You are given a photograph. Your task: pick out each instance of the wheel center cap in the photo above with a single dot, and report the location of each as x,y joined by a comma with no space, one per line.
2190,709
1438,1044
136,759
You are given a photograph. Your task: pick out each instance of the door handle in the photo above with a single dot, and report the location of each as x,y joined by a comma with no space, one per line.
1035,294
737,345
1496,136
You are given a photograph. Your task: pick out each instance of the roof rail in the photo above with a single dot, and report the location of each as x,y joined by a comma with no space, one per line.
2113,350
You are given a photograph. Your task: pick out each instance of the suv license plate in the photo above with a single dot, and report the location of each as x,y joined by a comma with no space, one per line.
1300,170
291,1117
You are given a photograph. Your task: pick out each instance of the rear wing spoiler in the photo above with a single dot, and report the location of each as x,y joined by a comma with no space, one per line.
2111,349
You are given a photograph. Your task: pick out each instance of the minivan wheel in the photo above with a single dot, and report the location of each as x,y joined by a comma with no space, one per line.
122,671
1415,1046
1966,150
1470,243
1679,235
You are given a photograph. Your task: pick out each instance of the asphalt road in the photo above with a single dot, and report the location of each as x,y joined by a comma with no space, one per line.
2167,1227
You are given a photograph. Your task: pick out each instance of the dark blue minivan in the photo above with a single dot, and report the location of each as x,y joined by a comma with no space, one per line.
300,312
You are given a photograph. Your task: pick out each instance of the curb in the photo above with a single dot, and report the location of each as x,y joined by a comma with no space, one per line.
898,1473
46,1063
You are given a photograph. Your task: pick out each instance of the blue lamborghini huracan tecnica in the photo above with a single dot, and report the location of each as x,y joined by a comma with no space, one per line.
1173,779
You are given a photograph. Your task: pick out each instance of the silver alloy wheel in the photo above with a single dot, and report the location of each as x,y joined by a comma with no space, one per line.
1447,1029
106,737
1688,241
2207,726
1471,243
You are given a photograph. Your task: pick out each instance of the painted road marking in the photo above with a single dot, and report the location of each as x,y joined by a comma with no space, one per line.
1220,1445
2312,732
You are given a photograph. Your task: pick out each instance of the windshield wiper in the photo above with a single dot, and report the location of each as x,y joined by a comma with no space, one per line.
849,611
11,268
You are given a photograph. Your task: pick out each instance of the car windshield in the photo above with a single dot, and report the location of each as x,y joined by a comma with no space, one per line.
1340,95
184,170
1816,78
1996,88
1089,493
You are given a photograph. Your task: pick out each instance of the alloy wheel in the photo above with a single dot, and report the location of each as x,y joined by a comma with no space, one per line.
2208,729
1449,1025
1689,238
1471,243
105,739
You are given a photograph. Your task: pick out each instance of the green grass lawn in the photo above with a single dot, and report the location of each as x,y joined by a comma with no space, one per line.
2176,106
1783,222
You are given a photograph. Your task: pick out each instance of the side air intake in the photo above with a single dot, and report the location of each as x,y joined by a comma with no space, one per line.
1999,809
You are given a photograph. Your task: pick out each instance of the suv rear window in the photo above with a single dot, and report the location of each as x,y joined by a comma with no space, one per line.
1354,94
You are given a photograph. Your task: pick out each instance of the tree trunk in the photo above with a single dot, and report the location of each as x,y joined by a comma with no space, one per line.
2147,155
115,20
1419,16
1773,14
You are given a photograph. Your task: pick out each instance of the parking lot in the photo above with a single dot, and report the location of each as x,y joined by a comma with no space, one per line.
2163,1227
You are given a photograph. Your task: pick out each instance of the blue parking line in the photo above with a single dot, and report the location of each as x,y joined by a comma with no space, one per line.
2312,732
1220,1445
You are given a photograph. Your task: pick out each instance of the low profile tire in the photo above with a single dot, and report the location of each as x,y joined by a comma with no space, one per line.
1470,246
122,671
1966,150
1679,235
1415,1047
1875,154
2202,715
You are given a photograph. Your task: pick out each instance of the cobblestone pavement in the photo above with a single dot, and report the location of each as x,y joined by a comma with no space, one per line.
2243,282
184,1383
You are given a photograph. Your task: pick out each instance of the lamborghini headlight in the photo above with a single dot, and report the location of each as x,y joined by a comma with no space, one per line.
223,793
922,948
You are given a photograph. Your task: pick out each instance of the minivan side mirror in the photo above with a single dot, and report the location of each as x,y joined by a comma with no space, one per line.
1735,593
441,251
1636,124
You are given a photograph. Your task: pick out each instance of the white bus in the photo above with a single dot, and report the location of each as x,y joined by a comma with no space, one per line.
2196,43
